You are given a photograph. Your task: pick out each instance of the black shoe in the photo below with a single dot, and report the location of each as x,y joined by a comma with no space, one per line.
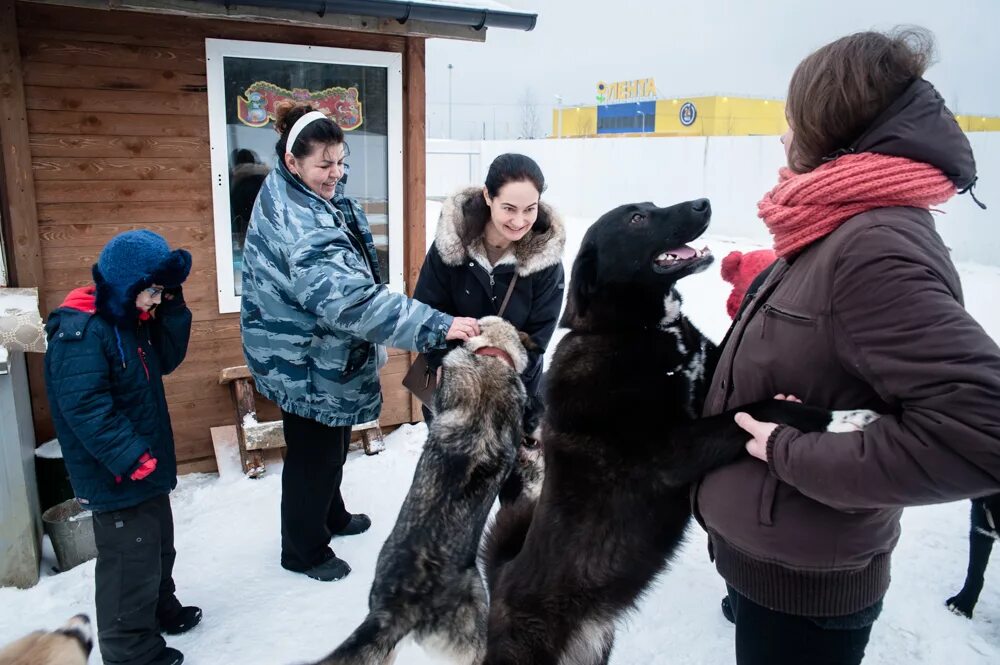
330,570
168,657
180,621
727,610
359,524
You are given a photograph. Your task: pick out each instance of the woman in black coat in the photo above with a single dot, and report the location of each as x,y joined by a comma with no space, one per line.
484,237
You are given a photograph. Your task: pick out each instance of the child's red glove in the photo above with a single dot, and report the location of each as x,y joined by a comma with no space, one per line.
147,465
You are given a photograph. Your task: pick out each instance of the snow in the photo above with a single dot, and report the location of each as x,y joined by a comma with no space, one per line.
81,516
49,450
18,301
227,539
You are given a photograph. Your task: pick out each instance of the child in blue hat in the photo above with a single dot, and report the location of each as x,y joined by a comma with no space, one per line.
109,346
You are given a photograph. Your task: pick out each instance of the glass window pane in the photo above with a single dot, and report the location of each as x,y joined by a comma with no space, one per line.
355,96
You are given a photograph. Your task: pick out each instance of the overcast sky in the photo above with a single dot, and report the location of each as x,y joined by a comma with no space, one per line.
690,48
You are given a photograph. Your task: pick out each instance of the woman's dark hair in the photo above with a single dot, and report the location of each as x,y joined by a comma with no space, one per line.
508,167
245,156
321,132
837,92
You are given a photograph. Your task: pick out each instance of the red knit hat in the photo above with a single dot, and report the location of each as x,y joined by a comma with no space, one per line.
739,269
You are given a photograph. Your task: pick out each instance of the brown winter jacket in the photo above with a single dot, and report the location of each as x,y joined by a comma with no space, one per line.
870,316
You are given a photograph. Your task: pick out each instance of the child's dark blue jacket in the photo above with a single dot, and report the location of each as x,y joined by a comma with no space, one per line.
105,390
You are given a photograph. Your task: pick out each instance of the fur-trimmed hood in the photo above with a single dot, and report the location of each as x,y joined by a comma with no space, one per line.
533,253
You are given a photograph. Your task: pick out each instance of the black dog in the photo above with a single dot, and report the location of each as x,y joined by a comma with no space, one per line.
982,533
621,443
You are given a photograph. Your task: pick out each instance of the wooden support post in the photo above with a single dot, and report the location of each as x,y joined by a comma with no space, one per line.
415,169
371,437
19,210
414,159
17,198
243,402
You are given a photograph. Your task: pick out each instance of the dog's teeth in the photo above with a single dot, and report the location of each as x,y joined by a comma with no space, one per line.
662,257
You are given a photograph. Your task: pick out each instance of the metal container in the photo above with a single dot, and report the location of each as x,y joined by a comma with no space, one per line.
71,529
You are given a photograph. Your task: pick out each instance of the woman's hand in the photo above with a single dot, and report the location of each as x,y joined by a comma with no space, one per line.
462,328
761,432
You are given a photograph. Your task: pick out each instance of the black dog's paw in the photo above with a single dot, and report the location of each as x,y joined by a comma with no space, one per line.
851,421
959,605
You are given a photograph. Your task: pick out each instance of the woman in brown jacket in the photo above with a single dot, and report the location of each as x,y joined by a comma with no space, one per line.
863,309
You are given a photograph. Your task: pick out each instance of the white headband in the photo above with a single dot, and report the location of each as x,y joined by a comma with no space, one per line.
299,125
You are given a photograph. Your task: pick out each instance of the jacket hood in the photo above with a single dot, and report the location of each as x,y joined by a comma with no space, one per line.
532,253
920,127
73,315
116,301
83,299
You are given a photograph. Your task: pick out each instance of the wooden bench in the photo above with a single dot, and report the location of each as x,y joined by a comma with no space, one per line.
254,437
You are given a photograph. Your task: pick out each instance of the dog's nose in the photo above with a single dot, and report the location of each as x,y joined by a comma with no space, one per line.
701,205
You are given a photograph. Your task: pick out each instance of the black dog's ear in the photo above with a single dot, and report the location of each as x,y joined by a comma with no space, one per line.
583,283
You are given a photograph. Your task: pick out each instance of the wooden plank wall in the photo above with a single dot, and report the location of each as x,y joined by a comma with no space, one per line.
118,129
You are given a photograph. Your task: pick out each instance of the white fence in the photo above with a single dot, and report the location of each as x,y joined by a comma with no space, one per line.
586,177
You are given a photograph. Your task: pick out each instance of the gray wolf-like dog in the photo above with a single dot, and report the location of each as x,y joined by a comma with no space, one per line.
68,645
426,581
622,443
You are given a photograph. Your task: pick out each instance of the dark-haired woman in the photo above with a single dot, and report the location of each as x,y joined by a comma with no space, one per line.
863,309
314,319
487,235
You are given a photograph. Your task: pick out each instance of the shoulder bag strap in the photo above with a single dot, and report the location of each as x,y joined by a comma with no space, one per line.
506,298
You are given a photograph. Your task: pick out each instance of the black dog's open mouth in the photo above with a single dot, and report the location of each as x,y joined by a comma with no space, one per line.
677,257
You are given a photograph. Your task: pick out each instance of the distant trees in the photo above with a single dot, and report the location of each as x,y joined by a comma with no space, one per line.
530,120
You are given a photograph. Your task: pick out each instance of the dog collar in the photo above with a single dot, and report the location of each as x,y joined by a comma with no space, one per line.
496,353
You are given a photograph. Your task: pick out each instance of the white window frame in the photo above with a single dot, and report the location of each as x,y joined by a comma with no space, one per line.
215,52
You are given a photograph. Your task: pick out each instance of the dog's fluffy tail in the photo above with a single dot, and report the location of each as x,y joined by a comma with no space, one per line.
372,643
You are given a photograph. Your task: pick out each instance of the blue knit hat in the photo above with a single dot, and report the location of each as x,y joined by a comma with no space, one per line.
131,262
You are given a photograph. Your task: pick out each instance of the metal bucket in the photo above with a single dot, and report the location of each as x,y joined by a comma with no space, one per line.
71,529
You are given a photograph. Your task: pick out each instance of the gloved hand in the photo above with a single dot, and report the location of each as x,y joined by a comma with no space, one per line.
147,465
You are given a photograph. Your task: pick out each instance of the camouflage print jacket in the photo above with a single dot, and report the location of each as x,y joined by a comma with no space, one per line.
314,312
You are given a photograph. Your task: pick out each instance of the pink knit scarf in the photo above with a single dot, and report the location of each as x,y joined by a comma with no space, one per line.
803,208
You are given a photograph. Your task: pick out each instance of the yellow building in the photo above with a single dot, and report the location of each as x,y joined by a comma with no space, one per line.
695,116
682,116
979,123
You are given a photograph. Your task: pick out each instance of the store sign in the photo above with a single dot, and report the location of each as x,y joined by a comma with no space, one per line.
625,91
688,114
256,106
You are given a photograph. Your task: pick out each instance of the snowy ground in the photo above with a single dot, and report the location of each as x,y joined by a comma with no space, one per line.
228,547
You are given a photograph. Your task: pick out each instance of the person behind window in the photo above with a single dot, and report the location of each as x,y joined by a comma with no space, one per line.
863,309
245,179
314,319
